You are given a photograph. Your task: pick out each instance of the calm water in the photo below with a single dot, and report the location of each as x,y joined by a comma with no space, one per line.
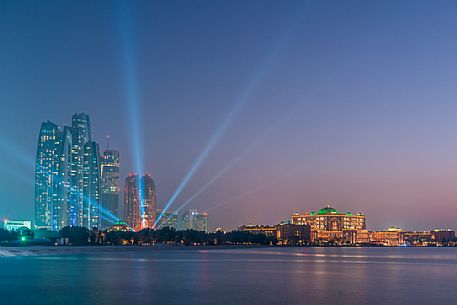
234,276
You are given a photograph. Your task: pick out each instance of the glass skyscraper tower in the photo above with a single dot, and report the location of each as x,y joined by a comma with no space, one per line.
67,176
52,177
81,132
149,202
132,202
91,186
109,166
140,209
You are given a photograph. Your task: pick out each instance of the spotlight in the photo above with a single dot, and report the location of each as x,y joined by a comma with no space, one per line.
256,189
16,152
239,104
131,88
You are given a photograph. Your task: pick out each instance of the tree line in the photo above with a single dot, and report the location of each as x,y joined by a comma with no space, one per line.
6,235
84,236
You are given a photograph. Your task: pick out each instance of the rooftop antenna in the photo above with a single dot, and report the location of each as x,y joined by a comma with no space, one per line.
107,142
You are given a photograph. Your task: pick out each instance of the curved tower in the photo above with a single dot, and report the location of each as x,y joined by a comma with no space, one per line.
52,177
81,132
91,186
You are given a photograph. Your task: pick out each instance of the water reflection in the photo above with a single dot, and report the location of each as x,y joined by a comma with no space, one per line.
234,276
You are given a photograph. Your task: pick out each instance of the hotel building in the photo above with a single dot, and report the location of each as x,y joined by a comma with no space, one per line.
329,219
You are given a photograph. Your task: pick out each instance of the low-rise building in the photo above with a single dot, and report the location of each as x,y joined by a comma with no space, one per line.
329,219
168,219
328,225
417,238
259,229
17,225
194,220
391,237
121,226
293,234
442,235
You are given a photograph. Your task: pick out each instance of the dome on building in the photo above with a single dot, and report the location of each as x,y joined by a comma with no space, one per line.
121,226
327,210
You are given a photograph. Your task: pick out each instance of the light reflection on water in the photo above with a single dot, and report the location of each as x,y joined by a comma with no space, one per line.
234,276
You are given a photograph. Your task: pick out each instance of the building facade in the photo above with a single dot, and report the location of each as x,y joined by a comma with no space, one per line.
110,187
62,181
293,234
259,229
169,219
442,235
64,178
193,220
329,219
91,186
17,225
148,202
81,133
132,202
52,177
391,237
140,209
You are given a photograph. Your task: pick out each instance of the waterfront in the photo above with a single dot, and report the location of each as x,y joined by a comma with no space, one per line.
232,276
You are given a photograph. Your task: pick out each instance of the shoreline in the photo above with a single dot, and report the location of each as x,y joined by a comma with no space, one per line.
16,251
21,251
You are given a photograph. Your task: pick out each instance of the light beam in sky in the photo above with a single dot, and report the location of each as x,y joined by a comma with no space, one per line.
256,189
242,100
16,152
132,93
267,132
15,173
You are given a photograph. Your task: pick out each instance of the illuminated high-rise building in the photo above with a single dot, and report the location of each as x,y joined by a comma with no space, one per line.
193,220
44,173
81,133
67,176
109,166
62,182
52,177
140,210
132,202
91,186
148,205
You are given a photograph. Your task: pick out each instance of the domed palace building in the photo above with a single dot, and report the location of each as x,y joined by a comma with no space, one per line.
329,224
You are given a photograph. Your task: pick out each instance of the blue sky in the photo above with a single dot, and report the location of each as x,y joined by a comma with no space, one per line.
345,102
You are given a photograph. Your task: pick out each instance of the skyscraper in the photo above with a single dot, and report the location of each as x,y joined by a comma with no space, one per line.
140,209
52,177
132,202
149,206
67,176
62,181
109,166
44,171
91,186
81,133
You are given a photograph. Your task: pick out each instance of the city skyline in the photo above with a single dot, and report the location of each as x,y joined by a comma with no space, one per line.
267,109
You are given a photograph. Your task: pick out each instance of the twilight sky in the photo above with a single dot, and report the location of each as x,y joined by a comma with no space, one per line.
298,103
